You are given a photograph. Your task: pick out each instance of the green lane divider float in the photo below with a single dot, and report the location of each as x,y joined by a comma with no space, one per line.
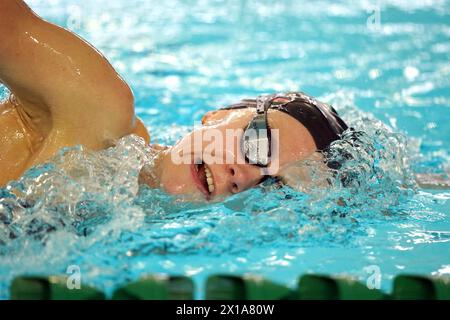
157,287
50,288
249,287
412,287
321,287
231,287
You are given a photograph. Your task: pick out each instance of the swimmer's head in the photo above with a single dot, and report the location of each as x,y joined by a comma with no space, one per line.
237,148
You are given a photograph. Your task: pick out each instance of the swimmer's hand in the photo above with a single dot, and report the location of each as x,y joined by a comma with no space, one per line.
433,181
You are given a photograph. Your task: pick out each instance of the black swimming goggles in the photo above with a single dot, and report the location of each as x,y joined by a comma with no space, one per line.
256,140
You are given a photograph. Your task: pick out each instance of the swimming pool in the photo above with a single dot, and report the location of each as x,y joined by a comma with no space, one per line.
183,58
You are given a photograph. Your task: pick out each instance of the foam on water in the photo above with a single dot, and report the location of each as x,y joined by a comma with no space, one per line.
183,59
81,200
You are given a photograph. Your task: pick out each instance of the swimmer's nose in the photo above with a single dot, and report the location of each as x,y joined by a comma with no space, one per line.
236,178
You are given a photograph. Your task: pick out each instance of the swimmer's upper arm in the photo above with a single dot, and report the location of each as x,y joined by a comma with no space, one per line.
52,70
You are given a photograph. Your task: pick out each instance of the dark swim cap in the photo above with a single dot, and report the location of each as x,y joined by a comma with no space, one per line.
321,120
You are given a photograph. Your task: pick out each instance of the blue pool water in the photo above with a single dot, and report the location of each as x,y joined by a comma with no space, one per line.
183,58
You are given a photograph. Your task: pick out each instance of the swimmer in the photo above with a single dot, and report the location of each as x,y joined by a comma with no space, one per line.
65,93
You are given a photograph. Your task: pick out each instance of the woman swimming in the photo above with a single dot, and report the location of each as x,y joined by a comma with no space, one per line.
65,93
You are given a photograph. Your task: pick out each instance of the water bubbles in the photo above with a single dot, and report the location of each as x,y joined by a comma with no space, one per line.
87,208
374,73
411,73
76,191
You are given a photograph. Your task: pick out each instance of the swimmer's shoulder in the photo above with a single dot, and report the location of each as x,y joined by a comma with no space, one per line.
72,87
141,130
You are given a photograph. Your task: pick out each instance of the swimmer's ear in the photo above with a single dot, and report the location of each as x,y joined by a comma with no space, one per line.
212,117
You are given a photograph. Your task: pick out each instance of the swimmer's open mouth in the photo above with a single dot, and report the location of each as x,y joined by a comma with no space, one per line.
203,179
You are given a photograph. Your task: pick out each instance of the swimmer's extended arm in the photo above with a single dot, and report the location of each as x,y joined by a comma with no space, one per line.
54,73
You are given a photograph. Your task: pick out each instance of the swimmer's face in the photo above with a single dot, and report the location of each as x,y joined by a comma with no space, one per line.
208,162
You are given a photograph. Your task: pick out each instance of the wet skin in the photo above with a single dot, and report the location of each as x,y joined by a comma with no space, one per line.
65,93
232,174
